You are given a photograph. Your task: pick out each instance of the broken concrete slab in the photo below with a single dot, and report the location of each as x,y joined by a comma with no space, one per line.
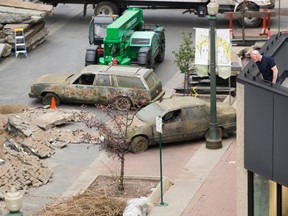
18,125
52,119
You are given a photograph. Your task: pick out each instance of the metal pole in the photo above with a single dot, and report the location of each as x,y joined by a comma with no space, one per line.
279,11
161,177
229,90
213,140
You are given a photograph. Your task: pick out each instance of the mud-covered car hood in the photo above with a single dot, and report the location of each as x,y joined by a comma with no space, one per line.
138,123
52,79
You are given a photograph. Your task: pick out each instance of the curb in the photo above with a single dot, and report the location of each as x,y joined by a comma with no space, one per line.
90,174
155,196
191,178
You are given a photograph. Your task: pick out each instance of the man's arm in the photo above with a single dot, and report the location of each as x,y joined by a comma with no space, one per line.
275,73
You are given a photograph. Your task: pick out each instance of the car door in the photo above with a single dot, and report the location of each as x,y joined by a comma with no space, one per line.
195,123
105,88
81,90
172,128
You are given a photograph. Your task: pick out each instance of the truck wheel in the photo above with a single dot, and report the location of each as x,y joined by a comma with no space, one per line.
47,99
150,62
252,22
123,104
160,57
106,8
139,144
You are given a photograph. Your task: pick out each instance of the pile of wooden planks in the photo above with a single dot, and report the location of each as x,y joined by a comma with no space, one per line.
27,15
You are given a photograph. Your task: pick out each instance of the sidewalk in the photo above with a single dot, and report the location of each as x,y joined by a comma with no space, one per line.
206,185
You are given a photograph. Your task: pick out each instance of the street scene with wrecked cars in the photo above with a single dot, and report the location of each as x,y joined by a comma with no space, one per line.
111,108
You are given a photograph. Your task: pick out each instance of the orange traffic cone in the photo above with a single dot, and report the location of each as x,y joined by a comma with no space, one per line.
53,103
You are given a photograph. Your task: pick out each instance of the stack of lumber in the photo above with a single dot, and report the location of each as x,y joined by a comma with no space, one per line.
27,15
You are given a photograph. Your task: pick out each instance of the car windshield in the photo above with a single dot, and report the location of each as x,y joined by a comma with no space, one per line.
69,77
149,113
151,80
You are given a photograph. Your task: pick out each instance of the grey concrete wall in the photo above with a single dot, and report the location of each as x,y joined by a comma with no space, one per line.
242,196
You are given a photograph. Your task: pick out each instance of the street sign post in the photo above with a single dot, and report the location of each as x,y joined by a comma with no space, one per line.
159,130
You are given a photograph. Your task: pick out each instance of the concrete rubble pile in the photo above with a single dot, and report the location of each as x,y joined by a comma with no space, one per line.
32,136
27,15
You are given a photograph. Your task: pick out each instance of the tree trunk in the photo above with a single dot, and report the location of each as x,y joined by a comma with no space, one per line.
121,177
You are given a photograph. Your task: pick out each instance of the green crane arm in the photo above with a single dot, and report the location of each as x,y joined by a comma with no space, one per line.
132,19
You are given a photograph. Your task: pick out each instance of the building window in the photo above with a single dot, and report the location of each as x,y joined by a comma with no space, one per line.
265,197
284,201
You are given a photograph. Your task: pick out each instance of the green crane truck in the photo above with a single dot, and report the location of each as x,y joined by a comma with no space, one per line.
126,41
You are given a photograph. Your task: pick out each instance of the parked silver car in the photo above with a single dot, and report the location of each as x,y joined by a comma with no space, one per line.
124,86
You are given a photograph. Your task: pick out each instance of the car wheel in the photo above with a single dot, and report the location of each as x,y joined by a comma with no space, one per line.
224,133
139,144
220,131
106,8
252,22
47,99
123,104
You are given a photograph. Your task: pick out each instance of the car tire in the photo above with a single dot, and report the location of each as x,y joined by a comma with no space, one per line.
220,131
249,22
123,103
224,133
139,144
47,99
106,8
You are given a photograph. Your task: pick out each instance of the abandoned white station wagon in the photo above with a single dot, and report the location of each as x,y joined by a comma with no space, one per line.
124,86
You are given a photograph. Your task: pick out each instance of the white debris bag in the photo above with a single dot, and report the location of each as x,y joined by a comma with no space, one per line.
137,207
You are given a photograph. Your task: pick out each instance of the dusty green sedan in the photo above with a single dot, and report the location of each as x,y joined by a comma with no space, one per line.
183,118
124,86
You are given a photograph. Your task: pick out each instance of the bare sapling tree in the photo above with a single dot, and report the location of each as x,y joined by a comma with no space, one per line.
112,134
184,57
